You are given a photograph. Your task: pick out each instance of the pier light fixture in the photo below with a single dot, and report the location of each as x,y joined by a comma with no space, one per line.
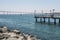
34,12
50,11
42,11
53,10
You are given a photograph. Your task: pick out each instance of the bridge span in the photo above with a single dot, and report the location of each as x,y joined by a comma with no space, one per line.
7,12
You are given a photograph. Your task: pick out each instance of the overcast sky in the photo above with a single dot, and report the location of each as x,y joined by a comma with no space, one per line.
29,5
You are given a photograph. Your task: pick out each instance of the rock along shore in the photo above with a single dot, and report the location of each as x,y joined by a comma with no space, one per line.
6,34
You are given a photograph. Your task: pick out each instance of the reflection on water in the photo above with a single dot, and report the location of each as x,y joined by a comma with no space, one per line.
48,31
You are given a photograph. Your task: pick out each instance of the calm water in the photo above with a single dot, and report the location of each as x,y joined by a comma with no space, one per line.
26,23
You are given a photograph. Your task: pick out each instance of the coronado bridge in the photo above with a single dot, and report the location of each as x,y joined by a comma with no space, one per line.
14,12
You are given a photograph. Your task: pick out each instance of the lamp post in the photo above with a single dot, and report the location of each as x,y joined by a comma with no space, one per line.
42,11
34,12
53,10
50,11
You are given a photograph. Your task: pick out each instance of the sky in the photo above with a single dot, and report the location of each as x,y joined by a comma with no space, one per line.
30,5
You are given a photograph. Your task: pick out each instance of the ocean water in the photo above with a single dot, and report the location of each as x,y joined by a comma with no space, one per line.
26,24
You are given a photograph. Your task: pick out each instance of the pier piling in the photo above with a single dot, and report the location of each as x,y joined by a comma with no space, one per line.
44,19
36,19
54,20
40,20
59,20
48,20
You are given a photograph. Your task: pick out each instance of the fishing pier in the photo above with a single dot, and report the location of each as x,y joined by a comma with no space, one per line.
43,16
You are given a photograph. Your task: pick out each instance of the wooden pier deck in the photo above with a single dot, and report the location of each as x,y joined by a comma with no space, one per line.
47,15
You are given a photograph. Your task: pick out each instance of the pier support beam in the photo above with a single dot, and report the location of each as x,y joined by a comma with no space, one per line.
44,20
54,20
59,20
40,19
48,20
36,19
